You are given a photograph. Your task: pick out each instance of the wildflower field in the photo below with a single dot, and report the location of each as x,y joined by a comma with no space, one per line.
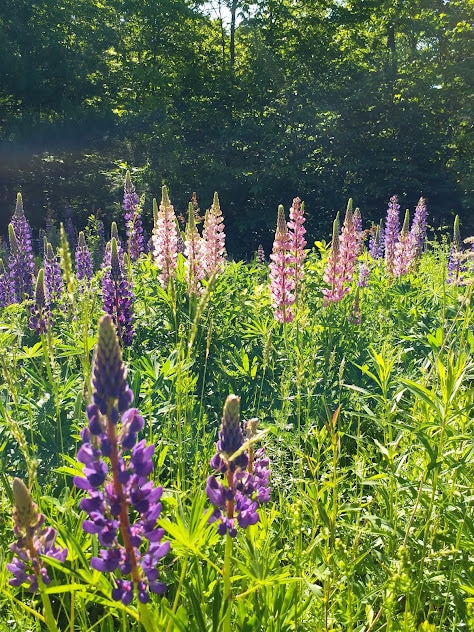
193,444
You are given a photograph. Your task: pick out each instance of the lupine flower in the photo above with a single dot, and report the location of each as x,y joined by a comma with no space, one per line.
243,484
123,505
282,283
260,255
165,239
357,223
34,540
70,228
214,238
20,271
22,265
53,281
340,268
194,255
40,318
377,242
363,276
83,259
404,252
6,291
418,228
330,275
118,297
133,220
392,226
114,234
355,316
456,260
296,240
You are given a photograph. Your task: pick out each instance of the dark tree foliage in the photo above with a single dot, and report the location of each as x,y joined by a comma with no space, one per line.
268,100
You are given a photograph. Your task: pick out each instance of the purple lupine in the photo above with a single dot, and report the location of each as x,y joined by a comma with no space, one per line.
118,297
114,234
133,220
456,260
22,265
6,291
392,227
40,319
282,283
34,541
243,484
123,505
214,238
296,240
377,242
19,271
260,255
83,260
193,252
418,228
53,281
165,239
403,256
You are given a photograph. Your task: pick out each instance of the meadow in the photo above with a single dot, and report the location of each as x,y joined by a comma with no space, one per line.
359,372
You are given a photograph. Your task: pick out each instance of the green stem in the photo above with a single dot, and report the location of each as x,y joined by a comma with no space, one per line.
145,618
227,583
178,592
47,610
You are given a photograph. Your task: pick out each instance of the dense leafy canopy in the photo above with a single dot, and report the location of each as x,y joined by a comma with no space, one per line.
323,99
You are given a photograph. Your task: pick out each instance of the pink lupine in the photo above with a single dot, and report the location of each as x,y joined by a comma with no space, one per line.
331,274
214,238
165,239
404,251
391,232
340,270
282,282
194,255
296,240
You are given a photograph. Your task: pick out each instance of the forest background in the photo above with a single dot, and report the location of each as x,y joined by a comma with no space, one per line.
261,101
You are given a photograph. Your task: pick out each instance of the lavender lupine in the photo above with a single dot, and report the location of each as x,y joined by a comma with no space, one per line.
214,238
133,220
123,505
83,260
194,255
114,234
6,291
363,276
118,297
244,480
282,283
456,260
403,256
418,229
296,240
40,319
53,281
392,227
260,255
377,242
34,540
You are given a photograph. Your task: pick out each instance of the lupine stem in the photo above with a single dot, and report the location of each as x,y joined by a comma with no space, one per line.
227,584
47,610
